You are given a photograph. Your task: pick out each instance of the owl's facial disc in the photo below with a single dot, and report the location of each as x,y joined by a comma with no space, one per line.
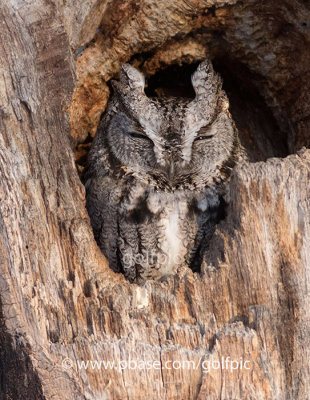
175,142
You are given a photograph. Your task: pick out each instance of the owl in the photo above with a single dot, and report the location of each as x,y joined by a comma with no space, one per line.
157,174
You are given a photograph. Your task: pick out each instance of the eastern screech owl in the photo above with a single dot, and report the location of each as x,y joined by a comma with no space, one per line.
157,173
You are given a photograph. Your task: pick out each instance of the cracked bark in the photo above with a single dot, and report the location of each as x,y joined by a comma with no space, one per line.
60,300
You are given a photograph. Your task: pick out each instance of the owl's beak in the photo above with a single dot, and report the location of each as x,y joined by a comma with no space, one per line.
171,170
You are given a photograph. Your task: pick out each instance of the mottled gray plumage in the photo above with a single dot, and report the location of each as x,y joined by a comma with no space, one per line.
157,173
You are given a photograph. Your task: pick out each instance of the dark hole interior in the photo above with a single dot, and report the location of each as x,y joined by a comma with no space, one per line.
172,81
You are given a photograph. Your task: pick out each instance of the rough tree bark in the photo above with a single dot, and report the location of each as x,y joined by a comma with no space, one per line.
58,298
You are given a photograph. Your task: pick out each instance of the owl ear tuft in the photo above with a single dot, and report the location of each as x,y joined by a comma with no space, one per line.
130,76
205,80
207,85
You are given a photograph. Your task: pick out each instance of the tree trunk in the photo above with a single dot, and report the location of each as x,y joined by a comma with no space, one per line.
239,329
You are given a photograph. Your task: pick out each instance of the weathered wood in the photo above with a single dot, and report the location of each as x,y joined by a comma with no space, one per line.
60,300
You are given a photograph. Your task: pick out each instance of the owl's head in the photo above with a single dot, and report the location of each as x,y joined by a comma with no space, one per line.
174,143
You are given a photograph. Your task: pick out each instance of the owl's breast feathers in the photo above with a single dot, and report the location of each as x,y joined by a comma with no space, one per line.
169,225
